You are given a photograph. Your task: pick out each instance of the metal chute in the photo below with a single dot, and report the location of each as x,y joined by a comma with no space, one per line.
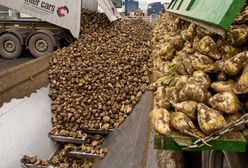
216,16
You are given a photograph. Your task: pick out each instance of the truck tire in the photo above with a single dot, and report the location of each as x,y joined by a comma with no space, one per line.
40,44
10,46
68,39
223,159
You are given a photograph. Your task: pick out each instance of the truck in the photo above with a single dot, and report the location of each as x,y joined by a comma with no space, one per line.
43,26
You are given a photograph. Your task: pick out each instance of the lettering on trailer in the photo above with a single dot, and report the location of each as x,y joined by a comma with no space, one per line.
45,8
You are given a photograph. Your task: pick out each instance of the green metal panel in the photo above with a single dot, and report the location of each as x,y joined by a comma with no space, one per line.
219,13
234,143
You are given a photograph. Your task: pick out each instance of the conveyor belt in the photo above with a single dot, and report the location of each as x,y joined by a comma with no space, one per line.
129,144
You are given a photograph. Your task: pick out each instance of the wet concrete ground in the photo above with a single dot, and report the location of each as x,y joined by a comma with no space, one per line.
9,63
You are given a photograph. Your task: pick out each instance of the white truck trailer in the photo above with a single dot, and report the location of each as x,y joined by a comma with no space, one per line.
52,23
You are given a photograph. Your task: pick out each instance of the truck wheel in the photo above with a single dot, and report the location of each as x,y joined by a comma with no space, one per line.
40,44
223,159
10,46
68,39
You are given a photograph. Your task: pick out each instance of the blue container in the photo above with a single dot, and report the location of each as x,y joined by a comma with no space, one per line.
131,6
155,8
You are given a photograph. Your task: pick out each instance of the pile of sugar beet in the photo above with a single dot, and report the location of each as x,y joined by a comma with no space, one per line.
96,82
200,78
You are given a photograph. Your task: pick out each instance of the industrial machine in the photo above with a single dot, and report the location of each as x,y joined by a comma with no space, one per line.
45,25
25,117
216,16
